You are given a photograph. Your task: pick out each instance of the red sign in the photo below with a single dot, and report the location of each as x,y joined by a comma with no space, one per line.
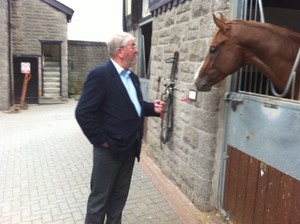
25,67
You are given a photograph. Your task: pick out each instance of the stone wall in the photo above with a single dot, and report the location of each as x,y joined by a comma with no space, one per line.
83,56
4,59
34,21
192,158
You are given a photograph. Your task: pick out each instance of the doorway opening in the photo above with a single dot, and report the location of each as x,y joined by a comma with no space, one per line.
51,69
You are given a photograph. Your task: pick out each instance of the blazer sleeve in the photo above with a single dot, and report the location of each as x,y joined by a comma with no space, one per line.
149,109
86,112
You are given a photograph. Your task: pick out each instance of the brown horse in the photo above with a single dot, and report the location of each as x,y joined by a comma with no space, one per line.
270,48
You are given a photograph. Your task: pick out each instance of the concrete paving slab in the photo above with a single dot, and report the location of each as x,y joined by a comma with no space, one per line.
45,166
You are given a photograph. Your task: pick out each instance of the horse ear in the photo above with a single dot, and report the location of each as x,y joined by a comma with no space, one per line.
222,17
221,23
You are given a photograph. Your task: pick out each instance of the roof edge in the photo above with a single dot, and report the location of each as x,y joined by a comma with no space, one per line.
58,5
157,7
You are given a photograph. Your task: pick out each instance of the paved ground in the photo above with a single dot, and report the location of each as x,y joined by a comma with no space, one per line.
45,165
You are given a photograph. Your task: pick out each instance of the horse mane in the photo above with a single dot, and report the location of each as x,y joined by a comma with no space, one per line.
279,30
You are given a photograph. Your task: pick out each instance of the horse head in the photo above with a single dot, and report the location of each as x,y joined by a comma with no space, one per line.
224,57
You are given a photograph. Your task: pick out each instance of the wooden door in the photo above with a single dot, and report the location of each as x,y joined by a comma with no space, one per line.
256,193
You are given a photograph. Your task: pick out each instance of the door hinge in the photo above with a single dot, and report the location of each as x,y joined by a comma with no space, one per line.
235,99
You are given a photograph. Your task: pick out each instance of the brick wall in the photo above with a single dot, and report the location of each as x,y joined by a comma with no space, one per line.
35,20
192,158
4,58
83,56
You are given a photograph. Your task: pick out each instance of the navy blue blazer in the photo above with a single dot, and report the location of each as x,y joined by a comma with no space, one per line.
105,112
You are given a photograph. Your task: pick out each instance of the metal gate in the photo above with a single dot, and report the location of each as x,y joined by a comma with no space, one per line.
260,178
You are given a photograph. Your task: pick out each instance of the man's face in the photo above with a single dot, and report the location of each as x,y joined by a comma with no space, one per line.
130,52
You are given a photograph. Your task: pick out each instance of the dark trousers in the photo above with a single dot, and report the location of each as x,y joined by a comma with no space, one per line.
110,183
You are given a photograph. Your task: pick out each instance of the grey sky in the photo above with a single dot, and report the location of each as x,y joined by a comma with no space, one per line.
94,20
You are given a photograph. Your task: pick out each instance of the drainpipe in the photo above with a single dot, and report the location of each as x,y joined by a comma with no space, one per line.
10,66
124,16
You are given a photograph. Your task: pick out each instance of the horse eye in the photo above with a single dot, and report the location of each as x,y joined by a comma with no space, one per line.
212,50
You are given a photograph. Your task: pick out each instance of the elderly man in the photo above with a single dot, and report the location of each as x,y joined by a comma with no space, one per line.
111,113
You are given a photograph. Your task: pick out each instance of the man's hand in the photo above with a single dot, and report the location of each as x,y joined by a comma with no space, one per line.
159,106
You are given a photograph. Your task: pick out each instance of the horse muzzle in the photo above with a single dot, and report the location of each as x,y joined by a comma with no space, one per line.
202,85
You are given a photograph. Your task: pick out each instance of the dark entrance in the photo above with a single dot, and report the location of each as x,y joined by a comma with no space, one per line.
145,34
146,30
32,88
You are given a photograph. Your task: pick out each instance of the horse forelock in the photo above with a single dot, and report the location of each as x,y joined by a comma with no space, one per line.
215,40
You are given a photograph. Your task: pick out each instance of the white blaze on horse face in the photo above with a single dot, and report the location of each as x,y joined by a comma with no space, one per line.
198,70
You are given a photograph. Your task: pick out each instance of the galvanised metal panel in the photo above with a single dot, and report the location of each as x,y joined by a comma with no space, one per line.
266,128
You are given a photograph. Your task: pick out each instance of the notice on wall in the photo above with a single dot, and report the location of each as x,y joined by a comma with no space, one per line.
25,67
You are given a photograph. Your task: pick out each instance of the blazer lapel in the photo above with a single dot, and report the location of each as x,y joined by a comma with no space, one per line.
136,84
116,80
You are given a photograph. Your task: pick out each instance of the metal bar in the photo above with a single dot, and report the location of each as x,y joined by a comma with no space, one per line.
291,78
245,10
261,11
250,10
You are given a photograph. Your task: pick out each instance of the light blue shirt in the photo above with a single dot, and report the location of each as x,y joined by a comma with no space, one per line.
125,77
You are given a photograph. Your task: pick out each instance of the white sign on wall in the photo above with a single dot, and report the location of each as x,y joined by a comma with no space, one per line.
25,67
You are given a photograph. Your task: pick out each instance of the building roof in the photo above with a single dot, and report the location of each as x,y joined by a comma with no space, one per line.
65,9
159,6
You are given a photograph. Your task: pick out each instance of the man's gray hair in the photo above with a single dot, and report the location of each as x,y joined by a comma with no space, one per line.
118,40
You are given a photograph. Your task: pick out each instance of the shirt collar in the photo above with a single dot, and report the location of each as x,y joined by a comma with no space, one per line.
119,68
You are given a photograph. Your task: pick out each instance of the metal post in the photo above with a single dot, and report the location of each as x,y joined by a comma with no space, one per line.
27,77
